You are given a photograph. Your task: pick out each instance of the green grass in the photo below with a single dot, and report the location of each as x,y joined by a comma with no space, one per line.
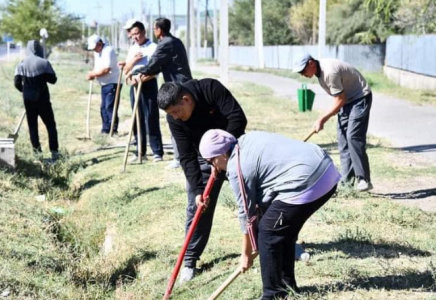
103,234
376,80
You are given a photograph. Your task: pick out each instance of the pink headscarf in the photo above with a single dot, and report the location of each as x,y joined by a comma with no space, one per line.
216,142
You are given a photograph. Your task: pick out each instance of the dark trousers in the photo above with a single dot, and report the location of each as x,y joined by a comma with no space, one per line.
278,232
201,234
149,116
108,93
43,109
353,119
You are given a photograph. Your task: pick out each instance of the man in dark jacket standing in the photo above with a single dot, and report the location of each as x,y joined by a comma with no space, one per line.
193,108
169,58
31,77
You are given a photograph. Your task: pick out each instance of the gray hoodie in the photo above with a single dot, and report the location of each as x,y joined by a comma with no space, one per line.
33,73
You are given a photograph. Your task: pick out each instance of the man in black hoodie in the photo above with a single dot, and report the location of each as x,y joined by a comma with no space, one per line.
193,108
31,77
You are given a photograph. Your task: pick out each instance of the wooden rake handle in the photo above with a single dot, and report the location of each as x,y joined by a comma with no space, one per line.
117,102
309,136
135,108
88,111
227,282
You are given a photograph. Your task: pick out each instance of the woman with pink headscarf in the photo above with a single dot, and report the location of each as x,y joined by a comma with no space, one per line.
288,180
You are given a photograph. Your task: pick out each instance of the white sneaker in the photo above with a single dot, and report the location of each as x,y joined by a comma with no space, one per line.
187,274
300,254
363,185
135,159
174,164
157,157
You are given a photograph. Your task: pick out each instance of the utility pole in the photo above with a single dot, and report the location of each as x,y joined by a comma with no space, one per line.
150,25
159,8
258,33
206,14
198,28
321,27
193,55
224,42
112,24
215,30
174,14
188,30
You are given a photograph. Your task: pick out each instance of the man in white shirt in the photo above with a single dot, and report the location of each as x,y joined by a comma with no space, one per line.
106,72
139,56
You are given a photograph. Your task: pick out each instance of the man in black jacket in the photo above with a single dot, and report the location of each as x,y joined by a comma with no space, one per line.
193,108
31,77
169,58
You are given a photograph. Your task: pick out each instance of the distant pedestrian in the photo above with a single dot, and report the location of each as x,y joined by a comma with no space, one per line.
139,56
169,58
352,102
288,180
31,77
106,72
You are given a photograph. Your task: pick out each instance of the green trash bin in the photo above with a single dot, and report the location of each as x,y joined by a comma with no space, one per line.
305,98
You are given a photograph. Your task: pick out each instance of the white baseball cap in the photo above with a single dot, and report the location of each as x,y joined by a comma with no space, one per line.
129,23
301,62
92,41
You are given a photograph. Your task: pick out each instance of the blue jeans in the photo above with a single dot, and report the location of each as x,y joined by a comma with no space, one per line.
108,92
149,116
278,232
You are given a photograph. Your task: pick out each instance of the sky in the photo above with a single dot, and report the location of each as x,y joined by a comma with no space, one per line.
124,9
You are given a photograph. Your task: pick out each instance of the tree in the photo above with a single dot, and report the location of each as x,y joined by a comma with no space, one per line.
276,29
304,16
24,18
416,16
347,21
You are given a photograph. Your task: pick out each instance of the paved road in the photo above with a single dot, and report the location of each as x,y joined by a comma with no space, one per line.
407,126
13,53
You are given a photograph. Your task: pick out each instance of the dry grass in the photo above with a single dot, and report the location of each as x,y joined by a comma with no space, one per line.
103,234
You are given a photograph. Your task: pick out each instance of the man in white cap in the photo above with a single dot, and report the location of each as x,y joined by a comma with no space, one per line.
106,72
139,56
352,102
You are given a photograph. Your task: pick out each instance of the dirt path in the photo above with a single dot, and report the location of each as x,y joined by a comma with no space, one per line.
408,127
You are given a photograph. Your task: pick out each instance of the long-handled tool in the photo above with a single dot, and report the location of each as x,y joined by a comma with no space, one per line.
309,136
228,281
138,129
135,108
188,237
88,111
117,102
15,134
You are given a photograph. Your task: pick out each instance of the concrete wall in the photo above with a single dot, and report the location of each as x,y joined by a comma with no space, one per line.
409,79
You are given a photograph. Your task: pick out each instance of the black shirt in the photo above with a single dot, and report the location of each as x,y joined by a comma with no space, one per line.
215,108
169,58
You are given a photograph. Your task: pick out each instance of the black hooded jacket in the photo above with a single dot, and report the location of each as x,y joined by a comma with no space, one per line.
215,108
33,73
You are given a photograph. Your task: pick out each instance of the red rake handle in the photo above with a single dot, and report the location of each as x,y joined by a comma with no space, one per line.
191,230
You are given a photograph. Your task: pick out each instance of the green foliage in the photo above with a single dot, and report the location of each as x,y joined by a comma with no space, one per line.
345,21
416,16
276,30
23,19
